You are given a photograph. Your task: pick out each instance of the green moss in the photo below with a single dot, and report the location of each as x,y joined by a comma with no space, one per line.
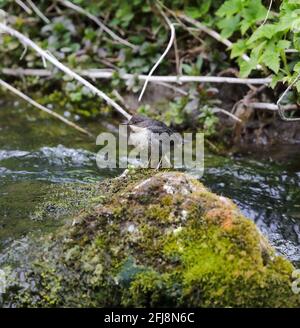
183,246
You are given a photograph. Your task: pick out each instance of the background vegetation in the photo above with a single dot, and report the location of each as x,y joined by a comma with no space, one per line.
270,38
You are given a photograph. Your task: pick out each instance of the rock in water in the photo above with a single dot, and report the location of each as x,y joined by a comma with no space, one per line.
163,240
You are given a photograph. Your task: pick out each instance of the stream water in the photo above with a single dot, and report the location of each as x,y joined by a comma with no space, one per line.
36,151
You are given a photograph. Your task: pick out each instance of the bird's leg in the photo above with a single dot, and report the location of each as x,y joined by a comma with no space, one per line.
167,160
149,162
158,166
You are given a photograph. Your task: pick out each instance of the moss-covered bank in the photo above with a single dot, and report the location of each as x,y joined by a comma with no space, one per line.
155,240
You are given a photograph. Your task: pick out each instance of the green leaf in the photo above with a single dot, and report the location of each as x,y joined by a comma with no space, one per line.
254,11
296,41
238,48
229,25
205,6
298,86
271,57
275,79
247,66
258,49
187,69
230,7
297,68
193,12
266,31
283,44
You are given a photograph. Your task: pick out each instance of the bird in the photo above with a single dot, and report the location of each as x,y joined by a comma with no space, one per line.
145,133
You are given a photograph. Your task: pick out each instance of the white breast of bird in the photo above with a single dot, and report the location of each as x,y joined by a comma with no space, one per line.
139,137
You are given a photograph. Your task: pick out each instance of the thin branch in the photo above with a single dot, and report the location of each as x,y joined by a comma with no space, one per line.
25,40
24,7
268,12
96,20
175,89
217,109
171,41
270,106
105,74
41,107
38,12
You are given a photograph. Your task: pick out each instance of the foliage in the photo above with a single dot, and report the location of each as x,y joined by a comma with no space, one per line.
267,44
77,41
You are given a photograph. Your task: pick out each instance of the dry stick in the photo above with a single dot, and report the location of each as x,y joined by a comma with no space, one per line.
268,12
171,41
65,69
272,107
213,34
96,20
102,74
38,12
218,109
24,7
175,89
41,107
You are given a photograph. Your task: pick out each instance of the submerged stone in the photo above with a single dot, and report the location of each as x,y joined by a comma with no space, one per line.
154,240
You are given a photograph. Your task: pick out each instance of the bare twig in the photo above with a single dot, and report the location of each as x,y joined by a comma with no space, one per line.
108,74
248,97
41,107
171,41
25,40
24,7
217,109
272,107
38,12
291,51
170,86
268,12
96,20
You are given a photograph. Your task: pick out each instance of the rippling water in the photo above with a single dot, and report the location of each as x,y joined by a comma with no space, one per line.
35,153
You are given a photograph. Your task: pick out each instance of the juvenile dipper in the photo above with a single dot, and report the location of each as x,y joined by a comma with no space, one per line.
146,133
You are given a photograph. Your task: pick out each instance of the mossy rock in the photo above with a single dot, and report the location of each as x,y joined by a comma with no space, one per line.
156,240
